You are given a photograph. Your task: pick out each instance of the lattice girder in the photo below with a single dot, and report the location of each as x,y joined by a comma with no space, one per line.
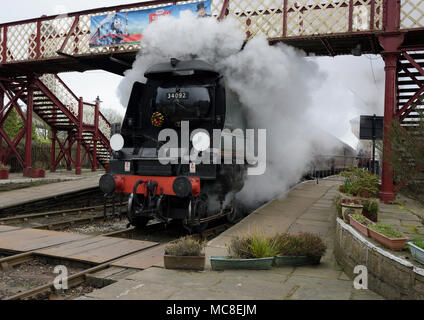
43,38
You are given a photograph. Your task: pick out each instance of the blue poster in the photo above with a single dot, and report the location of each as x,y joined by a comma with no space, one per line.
127,27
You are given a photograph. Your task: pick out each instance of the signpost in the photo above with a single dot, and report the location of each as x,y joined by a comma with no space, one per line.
371,128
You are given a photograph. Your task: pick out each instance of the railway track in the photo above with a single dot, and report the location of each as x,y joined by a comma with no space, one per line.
80,277
64,217
85,198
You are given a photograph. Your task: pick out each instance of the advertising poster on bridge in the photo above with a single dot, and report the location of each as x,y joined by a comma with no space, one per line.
127,27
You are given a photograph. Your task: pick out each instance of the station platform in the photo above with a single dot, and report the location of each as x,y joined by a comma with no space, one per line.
55,184
308,207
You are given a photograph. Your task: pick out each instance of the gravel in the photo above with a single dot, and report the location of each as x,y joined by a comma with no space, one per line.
29,275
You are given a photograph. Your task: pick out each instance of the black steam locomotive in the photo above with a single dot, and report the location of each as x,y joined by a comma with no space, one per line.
176,93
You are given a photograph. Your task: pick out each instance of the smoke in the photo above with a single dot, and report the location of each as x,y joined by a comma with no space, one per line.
354,87
273,82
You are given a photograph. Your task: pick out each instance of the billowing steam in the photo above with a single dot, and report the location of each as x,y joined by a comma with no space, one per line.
273,82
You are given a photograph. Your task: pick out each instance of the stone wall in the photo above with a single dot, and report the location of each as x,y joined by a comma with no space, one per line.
388,275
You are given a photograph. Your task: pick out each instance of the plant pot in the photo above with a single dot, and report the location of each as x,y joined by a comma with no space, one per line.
4,174
184,263
394,244
283,261
348,209
359,226
223,263
416,252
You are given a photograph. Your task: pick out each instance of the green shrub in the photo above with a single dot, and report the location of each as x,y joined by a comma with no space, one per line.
184,247
303,244
359,182
252,246
371,208
419,242
361,219
338,203
386,230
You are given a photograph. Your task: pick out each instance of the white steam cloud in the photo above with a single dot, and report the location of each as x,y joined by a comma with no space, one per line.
273,82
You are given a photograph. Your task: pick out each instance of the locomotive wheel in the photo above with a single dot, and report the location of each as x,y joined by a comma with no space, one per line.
136,221
201,209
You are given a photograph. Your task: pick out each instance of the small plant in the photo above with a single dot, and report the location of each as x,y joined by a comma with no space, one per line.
185,247
419,243
338,203
361,219
386,230
252,246
4,167
359,182
303,244
371,208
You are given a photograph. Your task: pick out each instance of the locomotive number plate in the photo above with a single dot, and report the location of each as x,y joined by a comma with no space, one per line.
178,95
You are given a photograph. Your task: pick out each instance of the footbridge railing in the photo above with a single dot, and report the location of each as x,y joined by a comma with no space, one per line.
47,38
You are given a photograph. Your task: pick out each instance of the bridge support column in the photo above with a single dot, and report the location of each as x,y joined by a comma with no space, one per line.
68,151
53,151
391,44
1,117
78,165
28,129
96,134
387,188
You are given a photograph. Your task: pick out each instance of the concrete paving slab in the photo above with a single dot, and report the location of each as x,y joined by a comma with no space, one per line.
133,290
176,278
210,294
322,271
273,288
309,288
365,295
317,217
299,228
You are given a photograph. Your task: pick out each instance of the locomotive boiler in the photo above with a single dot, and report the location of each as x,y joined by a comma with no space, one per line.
177,95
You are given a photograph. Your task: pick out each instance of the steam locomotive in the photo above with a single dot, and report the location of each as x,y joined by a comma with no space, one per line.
176,93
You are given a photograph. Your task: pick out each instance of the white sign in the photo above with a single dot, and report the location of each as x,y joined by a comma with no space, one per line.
127,166
192,167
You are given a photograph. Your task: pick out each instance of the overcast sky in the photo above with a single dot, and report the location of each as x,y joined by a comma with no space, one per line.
353,85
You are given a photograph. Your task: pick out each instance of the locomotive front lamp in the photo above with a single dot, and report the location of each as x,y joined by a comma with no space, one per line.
201,141
117,142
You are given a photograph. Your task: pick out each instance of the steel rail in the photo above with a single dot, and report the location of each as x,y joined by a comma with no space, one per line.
51,213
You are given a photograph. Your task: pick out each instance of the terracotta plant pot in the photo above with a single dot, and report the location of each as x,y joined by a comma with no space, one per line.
350,208
184,263
359,226
393,244
4,174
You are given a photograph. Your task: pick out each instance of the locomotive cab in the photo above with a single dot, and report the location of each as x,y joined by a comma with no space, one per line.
190,98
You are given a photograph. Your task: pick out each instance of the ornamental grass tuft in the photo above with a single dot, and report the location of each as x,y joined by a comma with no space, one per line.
185,247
